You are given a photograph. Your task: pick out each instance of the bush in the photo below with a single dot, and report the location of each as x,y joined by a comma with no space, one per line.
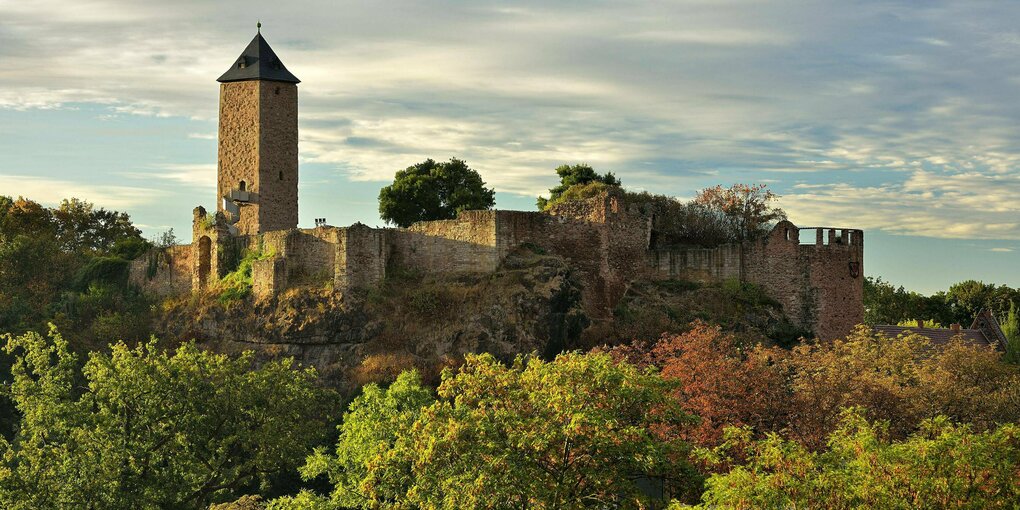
110,270
941,466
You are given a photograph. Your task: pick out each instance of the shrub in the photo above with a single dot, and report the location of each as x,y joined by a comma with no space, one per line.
941,466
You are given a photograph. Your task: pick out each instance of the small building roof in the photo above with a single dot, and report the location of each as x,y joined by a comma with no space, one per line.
937,336
984,331
258,62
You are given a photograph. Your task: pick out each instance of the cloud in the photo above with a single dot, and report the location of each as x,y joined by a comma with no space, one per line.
896,116
52,191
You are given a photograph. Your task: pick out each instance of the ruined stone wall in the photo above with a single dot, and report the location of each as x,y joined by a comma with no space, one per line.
363,253
310,257
467,243
820,284
602,239
214,248
698,264
163,272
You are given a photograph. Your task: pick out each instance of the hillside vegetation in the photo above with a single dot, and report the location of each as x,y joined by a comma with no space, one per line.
475,391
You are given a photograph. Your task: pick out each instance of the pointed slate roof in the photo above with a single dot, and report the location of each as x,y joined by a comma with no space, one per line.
258,62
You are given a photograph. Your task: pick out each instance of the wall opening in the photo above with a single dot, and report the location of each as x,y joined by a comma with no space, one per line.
204,260
242,186
281,175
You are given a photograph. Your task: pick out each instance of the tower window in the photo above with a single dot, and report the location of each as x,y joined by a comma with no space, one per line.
281,175
277,91
242,186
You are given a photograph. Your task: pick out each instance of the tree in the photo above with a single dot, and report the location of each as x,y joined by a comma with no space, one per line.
575,175
370,462
433,191
575,432
802,391
145,429
748,209
941,466
718,381
900,380
82,228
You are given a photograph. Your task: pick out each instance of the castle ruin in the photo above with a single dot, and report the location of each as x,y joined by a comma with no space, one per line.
818,283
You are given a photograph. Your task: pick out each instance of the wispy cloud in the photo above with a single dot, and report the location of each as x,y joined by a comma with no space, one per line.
52,191
896,116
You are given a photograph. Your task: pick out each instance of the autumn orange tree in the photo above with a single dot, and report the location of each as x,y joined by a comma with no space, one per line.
719,380
804,391
748,209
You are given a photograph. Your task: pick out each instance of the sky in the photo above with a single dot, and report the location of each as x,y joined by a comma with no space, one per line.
897,117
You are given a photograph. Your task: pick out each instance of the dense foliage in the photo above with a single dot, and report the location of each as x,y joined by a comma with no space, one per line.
803,391
433,191
940,466
577,432
145,429
580,176
69,265
885,303
862,422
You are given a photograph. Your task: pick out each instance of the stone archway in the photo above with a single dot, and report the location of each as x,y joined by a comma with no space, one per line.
204,260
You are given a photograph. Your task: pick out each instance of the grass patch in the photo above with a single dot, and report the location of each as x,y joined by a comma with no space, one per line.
236,285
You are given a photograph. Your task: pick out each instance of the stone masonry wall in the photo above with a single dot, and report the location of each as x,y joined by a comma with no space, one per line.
603,240
278,155
820,285
363,254
238,157
163,272
467,243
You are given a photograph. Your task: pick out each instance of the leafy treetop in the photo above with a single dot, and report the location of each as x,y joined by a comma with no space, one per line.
433,191
575,175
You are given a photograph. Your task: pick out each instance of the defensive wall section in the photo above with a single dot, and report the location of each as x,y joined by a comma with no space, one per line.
818,283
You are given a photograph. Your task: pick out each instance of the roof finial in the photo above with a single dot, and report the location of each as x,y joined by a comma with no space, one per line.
258,26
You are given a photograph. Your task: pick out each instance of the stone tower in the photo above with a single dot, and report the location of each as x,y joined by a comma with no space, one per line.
257,180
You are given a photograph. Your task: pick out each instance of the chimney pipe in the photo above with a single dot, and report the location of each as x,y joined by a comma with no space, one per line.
920,323
955,328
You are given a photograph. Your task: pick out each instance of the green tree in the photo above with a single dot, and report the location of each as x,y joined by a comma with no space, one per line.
81,228
576,432
433,191
143,429
969,297
575,175
941,466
